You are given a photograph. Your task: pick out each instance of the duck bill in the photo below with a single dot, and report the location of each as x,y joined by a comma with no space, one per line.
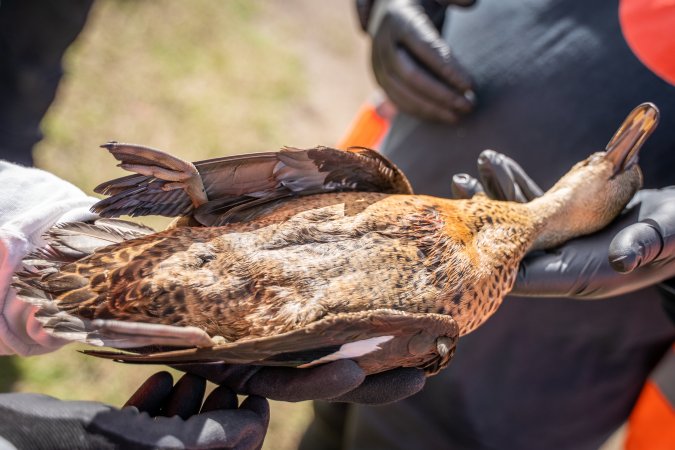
622,150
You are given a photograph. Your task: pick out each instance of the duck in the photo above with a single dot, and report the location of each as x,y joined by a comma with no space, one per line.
304,256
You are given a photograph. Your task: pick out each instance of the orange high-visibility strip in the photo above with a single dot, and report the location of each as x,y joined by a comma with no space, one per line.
651,425
367,130
649,28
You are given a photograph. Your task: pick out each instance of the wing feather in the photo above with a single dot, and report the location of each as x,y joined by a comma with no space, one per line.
414,340
249,181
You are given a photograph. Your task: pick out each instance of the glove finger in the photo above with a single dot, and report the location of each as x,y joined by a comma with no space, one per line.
186,397
542,274
153,392
293,385
528,187
465,186
386,387
424,42
663,219
412,103
504,179
383,53
578,270
399,93
243,428
494,177
426,85
258,405
235,376
532,274
222,397
635,246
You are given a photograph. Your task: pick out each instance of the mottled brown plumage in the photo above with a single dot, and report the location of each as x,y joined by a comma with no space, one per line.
294,253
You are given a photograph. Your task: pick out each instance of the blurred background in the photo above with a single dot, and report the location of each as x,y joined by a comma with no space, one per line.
199,79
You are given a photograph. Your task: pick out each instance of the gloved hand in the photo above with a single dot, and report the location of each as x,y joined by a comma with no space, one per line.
31,201
340,381
411,61
158,415
635,251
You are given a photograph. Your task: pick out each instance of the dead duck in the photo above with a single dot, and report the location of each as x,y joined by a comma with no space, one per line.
300,257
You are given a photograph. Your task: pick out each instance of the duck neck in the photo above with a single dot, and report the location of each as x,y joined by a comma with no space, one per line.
557,219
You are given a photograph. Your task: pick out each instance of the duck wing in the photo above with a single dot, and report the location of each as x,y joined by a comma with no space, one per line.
165,185
377,340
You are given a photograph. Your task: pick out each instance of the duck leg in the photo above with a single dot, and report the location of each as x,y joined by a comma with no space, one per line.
147,161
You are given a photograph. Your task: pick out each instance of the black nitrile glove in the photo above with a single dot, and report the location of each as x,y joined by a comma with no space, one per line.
413,64
341,381
635,251
158,415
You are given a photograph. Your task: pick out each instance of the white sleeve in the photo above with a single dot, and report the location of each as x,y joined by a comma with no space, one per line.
31,201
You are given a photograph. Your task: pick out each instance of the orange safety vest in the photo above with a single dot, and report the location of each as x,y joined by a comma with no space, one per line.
370,125
651,425
649,29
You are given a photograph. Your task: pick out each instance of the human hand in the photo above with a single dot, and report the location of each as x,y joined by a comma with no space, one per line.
158,415
635,251
340,381
31,201
413,64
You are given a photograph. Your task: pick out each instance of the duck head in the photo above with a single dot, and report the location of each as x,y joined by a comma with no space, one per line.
595,190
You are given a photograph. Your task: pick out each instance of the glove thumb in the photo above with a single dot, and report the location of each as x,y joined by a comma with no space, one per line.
635,246
465,186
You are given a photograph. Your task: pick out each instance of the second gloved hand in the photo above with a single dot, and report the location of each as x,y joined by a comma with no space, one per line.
341,381
413,64
635,251
158,415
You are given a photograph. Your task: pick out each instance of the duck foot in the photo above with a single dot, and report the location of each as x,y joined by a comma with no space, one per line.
150,162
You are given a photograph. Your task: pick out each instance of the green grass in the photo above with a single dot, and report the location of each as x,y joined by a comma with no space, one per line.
199,79
70,375
182,76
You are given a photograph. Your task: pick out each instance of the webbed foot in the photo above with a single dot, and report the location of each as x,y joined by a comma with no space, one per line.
147,161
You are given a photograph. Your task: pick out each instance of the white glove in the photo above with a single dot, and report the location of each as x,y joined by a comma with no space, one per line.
31,201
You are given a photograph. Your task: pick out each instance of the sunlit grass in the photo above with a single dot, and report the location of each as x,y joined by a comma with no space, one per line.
200,79
70,375
182,76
